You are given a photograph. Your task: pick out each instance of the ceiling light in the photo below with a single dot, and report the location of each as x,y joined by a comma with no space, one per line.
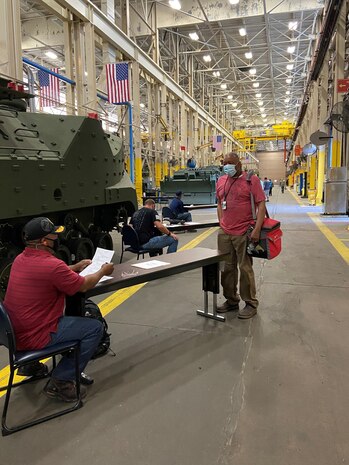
262,109
223,86
265,125
229,97
298,105
285,113
260,103
253,71
287,92
216,73
238,111
235,104
285,117
142,105
291,49
175,4
193,36
290,66
288,80
304,75
241,116
287,100
207,58
248,55
242,31
234,2
264,115
52,55
259,95
255,84
292,25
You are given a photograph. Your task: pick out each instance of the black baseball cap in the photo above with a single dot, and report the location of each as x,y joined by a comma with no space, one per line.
179,193
40,227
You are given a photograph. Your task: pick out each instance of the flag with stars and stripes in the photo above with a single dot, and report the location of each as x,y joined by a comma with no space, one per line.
118,82
217,143
49,88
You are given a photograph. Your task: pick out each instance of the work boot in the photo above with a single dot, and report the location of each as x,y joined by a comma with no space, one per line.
85,379
227,307
63,390
247,312
34,369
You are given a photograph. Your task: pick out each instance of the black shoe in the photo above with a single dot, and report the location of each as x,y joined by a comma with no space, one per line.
227,307
85,379
247,312
34,369
63,390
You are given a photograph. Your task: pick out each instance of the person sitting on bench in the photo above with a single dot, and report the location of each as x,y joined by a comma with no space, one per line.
177,207
151,232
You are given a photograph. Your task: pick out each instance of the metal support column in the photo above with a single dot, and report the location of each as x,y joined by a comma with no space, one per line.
11,39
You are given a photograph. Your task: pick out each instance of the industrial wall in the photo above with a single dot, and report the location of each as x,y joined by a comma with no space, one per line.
271,165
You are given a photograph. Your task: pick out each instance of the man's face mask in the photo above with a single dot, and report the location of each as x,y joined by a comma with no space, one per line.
53,244
230,170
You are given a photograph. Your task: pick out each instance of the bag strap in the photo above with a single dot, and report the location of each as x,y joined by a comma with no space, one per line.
253,205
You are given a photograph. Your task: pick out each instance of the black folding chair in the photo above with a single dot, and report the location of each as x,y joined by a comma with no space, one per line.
131,241
168,215
18,359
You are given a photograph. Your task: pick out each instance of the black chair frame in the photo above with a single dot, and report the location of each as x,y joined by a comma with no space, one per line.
130,238
18,359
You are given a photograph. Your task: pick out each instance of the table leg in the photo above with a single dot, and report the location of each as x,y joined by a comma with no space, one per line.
210,283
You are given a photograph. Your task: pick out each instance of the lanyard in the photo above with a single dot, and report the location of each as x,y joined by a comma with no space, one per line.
226,194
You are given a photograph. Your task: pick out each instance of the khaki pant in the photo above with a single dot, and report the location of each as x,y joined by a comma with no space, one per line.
238,258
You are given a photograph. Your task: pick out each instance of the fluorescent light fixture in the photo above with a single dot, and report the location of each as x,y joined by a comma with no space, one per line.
248,55
193,36
287,100
142,105
255,85
207,58
234,2
290,66
288,81
264,115
285,117
52,55
241,116
259,95
216,73
175,4
292,25
260,103
287,92
291,49
265,125
238,111
262,109
229,97
223,86
253,71
235,104
242,31
285,113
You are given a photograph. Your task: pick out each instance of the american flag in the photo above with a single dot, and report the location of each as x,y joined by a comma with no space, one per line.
117,82
49,88
217,143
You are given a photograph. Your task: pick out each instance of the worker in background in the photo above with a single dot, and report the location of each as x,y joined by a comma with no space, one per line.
151,232
271,187
178,208
266,188
282,185
35,301
235,219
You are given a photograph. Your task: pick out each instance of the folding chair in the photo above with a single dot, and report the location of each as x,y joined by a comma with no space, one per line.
18,359
131,240
168,215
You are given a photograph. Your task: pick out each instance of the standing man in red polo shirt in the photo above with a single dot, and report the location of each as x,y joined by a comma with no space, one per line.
35,300
235,219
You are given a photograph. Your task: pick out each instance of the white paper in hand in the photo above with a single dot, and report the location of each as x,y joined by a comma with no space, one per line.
100,257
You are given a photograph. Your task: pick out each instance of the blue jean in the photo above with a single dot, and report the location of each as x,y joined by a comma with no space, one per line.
75,328
159,242
186,216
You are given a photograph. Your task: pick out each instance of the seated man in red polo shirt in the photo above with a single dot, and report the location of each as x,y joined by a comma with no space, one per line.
35,300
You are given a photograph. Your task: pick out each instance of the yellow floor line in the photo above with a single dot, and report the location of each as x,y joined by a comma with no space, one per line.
114,300
341,248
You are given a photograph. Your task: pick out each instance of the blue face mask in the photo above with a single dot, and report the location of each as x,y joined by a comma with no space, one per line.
230,170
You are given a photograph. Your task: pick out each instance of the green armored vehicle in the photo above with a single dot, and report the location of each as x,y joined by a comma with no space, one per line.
63,167
198,185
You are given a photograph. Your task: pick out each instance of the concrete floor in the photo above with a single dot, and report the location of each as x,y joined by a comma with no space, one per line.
184,390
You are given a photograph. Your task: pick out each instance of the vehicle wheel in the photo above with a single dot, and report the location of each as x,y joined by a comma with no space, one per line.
103,240
82,248
63,253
